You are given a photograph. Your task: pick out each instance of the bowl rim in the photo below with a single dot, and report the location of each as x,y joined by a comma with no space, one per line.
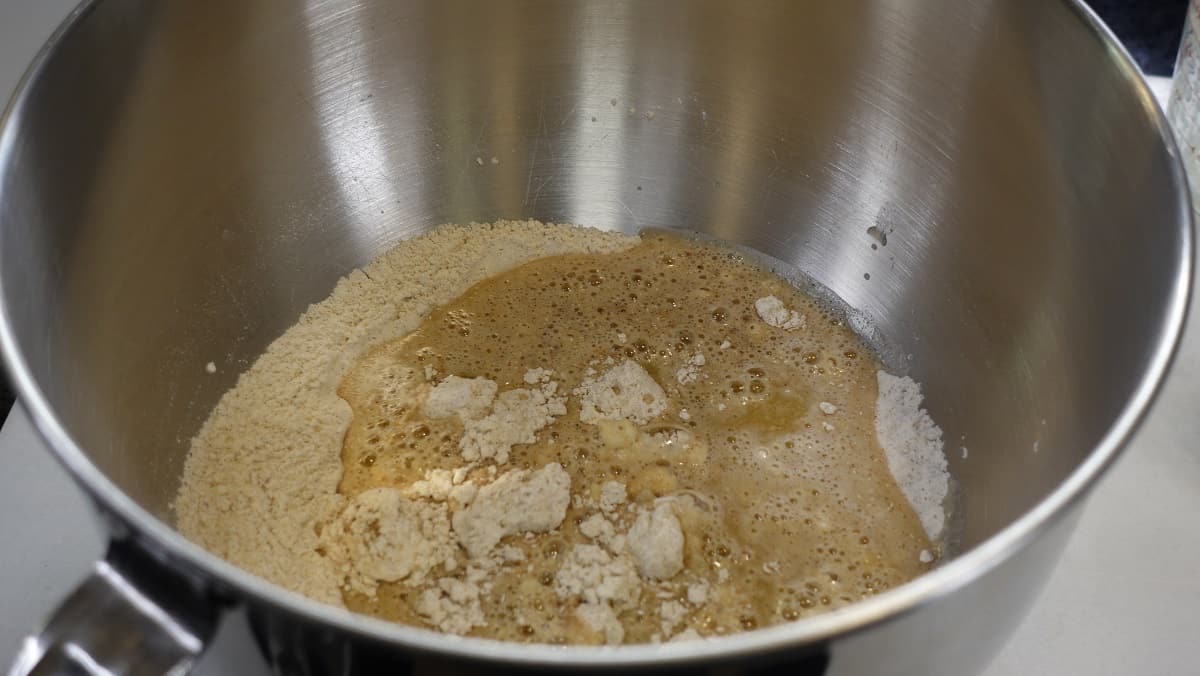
798,635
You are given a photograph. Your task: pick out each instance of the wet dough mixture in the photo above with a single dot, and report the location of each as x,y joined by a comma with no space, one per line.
596,438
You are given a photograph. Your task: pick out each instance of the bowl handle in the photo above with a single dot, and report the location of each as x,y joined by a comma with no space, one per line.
132,616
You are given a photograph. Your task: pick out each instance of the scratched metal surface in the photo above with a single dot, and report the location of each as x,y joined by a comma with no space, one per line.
238,158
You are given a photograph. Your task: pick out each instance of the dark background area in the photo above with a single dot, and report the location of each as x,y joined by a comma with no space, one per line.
1149,29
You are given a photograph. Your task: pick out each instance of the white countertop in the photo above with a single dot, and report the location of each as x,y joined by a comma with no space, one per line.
1125,598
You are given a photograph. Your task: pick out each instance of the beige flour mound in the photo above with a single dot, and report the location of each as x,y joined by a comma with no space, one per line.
614,442
262,476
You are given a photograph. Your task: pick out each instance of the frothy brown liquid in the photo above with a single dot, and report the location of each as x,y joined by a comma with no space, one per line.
793,510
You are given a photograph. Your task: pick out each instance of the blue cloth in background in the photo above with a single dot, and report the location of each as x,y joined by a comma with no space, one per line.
1149,29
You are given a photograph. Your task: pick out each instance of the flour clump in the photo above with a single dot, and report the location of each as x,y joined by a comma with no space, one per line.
656,542
382,536
519,501
624,392
469,398
772,311
516,418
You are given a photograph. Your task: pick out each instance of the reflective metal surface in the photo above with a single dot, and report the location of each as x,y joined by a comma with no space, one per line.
131,616
178,181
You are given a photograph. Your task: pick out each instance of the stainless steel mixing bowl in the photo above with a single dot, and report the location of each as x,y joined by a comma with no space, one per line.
179,180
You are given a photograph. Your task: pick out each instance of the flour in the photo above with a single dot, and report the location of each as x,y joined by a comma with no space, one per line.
516,418
468,398
261,478
593,575
612,495
600,617
772,311
443,485
600,529
656,542
690,371
537,375
605,579
625,391
373,464
383,536
436,485
672,614
510,554
519,501
912,443
452,606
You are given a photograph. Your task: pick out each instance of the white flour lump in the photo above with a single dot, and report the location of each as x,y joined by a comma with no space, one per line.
690,371
516,418
442,485
453,606
656,542
468,398
595,576
772,311
600,617
672,613
519,501
603,583
612,495
912,443
624,392
598,528
537,375
383,536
